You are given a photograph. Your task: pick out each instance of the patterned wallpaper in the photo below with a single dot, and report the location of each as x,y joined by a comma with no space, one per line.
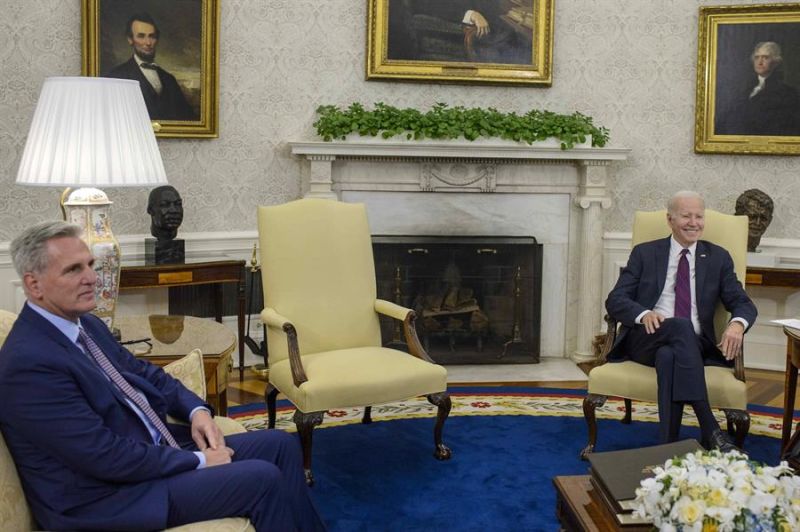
629,64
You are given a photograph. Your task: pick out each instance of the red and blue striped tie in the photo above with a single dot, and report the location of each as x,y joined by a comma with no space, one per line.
117,378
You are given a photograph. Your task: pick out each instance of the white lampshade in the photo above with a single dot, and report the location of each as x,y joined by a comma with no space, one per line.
91,132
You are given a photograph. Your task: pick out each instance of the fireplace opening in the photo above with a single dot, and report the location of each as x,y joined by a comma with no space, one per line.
477,299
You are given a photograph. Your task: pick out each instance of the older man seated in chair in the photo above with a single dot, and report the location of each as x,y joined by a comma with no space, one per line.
85,420
665,299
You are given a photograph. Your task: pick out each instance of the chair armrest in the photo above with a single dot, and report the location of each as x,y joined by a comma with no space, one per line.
408,317
608,341
393,310
272,319
738,366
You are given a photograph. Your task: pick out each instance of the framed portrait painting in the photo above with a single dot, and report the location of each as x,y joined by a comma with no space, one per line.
171,47
475,41
748,80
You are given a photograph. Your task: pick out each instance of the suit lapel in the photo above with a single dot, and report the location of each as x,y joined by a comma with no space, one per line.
700,271
662,261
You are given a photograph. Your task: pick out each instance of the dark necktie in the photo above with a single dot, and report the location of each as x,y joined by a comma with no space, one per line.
126,388
151,66
683,290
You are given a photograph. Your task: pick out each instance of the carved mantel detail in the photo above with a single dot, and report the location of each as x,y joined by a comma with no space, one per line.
458,175
333,168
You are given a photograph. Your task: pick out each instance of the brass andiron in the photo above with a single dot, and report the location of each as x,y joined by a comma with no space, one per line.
397,341
516,331
261,370
397,336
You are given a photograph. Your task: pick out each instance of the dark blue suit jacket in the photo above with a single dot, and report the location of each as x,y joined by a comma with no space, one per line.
84,457
641,282
171,104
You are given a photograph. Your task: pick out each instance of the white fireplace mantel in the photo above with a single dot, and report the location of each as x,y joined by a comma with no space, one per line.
388,173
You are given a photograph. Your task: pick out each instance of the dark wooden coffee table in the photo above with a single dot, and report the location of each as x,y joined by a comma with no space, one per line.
579,508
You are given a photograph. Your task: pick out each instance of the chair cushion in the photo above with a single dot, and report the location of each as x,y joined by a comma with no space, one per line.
373,375
636,381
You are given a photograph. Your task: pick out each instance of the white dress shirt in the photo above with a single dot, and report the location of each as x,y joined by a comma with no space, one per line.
149,73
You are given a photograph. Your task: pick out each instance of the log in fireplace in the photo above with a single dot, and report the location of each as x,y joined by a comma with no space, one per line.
477,299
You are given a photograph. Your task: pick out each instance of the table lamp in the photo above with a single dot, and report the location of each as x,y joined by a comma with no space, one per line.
92,132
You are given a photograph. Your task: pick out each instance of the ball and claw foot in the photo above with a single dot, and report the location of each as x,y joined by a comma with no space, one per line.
442,452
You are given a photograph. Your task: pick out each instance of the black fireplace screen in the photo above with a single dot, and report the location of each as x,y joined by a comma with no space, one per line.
477,299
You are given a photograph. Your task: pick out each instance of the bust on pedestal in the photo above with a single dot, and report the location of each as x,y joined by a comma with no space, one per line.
758,208
165,208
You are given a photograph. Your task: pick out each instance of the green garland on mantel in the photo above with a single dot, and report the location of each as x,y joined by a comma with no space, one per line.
443,122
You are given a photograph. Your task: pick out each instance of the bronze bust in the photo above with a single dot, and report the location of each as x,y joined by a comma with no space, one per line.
165,208
758,208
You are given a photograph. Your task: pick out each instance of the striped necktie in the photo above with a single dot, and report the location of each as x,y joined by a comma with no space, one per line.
683,290
126,388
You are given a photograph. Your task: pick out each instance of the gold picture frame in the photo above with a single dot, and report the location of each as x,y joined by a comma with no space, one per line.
481,41
747,88
183,97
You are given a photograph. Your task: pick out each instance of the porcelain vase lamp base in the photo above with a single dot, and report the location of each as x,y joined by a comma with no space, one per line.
89,208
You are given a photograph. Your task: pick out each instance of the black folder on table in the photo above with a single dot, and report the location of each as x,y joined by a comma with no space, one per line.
619,473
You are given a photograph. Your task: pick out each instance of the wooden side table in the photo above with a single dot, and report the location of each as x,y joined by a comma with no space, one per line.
578,508
790,390
172,337
765,276
136,276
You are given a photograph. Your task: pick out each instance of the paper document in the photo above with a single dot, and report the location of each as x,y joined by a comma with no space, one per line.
793,323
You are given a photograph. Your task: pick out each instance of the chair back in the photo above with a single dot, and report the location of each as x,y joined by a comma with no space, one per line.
13,506
7,320
318,272
725,230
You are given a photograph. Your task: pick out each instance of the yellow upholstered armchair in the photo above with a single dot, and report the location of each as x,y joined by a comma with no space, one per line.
15,515
632,381
321,310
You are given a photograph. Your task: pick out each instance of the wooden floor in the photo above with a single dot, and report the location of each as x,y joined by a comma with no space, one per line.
764,387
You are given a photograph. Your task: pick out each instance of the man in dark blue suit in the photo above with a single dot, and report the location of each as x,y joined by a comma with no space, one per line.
162,94
665,299
90,441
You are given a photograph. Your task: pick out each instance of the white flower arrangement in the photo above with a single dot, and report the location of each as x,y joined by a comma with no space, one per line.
709,491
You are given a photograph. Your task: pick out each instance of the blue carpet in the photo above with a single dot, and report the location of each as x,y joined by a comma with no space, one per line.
383,476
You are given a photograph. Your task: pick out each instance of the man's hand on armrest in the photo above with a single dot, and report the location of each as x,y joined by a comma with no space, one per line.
732,339
205,433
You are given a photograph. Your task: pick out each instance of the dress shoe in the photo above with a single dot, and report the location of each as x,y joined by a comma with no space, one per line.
720,439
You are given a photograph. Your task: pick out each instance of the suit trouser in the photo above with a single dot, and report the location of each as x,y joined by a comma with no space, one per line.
677,354
265,482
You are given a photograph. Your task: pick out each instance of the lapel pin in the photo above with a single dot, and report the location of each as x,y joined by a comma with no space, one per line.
702,255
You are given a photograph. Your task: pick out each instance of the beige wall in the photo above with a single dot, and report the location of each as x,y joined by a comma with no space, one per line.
630,64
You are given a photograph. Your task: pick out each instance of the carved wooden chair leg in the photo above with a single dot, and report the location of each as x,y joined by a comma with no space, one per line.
367,419
628,411
590,403
270,394
305,426
442,401
740,420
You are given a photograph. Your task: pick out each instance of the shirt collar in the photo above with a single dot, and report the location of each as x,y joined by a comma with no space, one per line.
675,248
68,328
